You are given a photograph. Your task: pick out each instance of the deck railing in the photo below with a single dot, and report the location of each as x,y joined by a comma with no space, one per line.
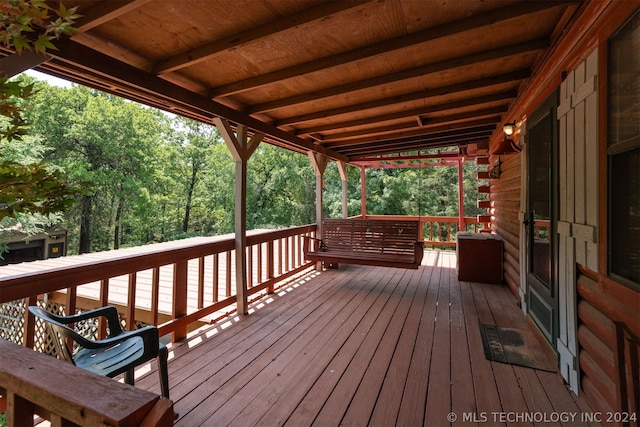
199,274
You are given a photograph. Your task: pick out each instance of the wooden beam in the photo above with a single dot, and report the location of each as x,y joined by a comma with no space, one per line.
101,12
73,59
17,63
509,77
424,131
503,96
493,111
462,61
210,50
319,163
241,147
439,32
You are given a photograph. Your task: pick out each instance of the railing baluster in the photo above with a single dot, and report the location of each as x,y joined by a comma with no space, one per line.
270,265
131,298
249,267
155,294
29,323
228,281
279,257
216,273
259,247
200,282
286,254
104,300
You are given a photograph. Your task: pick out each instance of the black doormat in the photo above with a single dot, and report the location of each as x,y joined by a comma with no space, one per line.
514,347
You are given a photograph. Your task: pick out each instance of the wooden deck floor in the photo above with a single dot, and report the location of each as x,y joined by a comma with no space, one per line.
364,346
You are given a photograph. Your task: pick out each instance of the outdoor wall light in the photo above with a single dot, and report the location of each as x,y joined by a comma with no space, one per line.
509,129
508,145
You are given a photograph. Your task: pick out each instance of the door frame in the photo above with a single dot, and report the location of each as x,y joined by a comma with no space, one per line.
532,284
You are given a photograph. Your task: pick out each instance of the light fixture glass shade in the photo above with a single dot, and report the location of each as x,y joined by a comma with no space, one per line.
508,129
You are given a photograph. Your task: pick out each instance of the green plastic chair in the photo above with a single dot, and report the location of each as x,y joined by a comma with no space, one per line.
119,353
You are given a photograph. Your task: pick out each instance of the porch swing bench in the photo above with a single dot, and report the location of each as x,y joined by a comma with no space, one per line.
386,243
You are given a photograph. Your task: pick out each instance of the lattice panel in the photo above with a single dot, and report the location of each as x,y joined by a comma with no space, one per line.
43,341
12,321
12,326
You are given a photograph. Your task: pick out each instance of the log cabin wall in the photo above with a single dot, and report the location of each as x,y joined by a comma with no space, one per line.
592,303
602,301
505,204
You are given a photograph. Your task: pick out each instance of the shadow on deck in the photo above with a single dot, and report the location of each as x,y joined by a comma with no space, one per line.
365,346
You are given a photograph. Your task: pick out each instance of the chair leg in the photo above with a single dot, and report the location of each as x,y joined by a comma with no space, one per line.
128,377
163,371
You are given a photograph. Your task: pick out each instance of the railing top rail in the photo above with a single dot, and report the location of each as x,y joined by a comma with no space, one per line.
44,380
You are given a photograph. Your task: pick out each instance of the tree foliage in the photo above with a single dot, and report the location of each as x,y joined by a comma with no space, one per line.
155,177
29,187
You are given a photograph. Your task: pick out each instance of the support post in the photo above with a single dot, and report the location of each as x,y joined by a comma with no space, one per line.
460,197
319,163
363,192
241,148
342,169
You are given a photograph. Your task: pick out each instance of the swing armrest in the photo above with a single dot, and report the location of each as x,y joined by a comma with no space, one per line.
306,244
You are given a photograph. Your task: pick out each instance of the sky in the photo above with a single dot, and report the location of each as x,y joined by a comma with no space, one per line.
53,81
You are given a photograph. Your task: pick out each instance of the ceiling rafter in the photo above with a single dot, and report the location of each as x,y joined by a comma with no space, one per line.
462,61
503,96
371,150
207,51
466,134
514,76
424,131
492,111
104,12
412,145
431,34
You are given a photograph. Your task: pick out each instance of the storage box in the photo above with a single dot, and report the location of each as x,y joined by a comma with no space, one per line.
479,257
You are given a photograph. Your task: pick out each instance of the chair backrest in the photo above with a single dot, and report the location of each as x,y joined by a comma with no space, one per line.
59,332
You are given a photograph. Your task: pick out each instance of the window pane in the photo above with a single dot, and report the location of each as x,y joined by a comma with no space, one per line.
624,151
624,84
625,215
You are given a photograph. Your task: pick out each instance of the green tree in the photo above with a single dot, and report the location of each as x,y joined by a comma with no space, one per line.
28,187
103,140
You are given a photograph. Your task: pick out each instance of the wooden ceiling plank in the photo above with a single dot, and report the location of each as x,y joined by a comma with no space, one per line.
495,97
435,121
492,121
105,11
465,60
430,34
378,148
513,76
209,50
472,132
80,58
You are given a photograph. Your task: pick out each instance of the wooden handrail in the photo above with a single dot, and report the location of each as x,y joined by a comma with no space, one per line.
36,384
69,274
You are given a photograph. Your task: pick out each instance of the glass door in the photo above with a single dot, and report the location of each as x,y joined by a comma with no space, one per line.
542,137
